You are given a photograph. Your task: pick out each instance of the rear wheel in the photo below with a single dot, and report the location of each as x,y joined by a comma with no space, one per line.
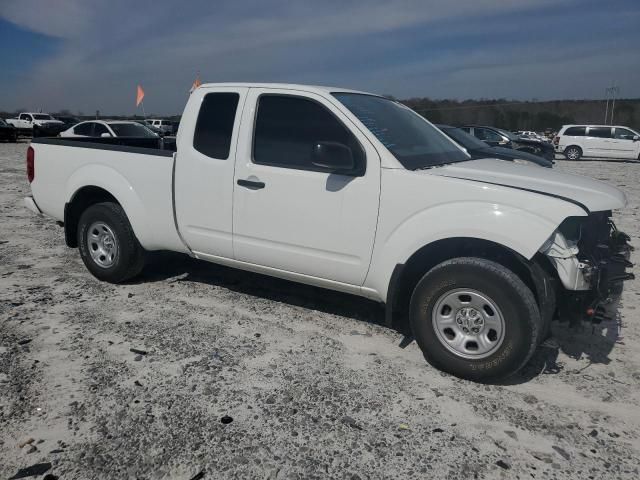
573,153
107,244
475,319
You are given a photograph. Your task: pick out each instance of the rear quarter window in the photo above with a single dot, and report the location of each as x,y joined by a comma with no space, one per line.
214,127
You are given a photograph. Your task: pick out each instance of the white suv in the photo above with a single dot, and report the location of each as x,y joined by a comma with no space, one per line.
607,141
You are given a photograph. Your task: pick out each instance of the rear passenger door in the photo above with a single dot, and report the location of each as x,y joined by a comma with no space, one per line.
292,215
203,181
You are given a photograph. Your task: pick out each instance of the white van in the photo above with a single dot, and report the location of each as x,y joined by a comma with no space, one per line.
164,125
575,141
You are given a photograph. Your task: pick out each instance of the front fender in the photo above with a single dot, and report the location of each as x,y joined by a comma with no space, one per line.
520,230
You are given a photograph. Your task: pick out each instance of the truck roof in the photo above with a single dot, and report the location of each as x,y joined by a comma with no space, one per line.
287,86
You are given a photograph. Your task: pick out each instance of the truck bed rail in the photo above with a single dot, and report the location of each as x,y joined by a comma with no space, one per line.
142,145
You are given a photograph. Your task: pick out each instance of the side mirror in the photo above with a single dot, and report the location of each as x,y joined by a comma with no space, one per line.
333,156
636,138
105,135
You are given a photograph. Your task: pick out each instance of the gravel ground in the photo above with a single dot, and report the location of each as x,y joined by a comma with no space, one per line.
247,376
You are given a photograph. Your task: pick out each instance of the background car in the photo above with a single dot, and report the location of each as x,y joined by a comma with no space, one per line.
531,134
150,126
479,149
109,128
166,126
36,124
8,132
576,141
497,137
68,121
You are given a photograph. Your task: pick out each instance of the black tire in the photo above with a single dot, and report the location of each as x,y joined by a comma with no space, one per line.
516,304
128,260
573,153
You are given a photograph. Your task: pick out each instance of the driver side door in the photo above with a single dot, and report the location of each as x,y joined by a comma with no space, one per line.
291,215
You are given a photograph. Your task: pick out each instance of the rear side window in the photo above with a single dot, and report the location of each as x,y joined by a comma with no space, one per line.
600,132
288,128
214,126
575,131
84,129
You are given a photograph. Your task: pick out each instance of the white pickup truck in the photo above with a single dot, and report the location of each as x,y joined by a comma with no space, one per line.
36,124
353,192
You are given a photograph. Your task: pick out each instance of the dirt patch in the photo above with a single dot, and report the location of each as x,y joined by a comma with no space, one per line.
247,376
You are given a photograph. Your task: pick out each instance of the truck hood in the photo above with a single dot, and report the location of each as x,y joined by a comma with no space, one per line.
592,195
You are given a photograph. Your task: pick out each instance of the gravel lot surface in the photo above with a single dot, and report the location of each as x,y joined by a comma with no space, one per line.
246,376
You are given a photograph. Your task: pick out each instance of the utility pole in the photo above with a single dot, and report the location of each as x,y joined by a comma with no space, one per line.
613,91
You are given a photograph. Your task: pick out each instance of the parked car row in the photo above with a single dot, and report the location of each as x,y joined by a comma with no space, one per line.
44,125
109,128
497,137
481,149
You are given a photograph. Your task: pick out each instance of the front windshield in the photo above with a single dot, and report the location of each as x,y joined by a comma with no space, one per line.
409,137
42,116
2,122
131,130
465,139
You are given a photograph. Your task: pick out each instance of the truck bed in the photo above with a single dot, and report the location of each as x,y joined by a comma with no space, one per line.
138,172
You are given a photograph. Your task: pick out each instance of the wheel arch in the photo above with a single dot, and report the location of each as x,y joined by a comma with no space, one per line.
82,199
535,273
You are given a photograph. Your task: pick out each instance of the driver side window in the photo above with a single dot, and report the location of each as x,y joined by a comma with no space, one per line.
624,134
288,128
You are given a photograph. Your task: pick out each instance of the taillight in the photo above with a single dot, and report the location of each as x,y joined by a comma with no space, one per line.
31,169
556,140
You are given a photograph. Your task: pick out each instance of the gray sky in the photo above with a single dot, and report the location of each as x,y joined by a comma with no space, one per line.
86,55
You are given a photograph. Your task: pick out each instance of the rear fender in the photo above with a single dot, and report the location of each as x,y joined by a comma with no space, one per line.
120,188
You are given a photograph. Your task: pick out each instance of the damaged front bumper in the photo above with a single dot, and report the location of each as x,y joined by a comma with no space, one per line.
591,258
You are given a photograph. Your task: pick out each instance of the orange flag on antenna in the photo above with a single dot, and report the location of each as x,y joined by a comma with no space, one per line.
139,96
196,84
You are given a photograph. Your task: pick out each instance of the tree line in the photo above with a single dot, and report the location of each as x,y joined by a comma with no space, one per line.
526,115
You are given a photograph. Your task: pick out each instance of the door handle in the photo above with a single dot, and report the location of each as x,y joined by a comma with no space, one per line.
251,184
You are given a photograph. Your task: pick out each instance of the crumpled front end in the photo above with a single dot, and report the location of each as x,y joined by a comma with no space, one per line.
591,258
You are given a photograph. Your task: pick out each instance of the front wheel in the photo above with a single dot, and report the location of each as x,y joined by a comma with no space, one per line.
475,319
107,244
